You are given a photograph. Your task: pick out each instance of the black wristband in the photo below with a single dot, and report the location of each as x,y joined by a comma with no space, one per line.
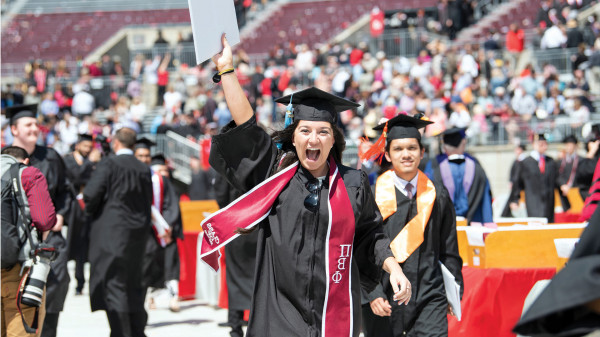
217,77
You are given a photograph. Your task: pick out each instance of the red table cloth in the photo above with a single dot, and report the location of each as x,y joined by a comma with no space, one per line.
493,300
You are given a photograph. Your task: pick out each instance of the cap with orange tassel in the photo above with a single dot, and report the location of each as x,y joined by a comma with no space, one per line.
401,126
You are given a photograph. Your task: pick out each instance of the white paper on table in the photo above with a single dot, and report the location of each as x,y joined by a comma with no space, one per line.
210,19
564,247
452,291
160,225
475,235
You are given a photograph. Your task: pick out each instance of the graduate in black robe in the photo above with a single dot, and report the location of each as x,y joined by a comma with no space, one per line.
453,168
567,169
118,198
25,131
519,156
291,280
239,255
536,175
570,303
161,265
397,194
79,166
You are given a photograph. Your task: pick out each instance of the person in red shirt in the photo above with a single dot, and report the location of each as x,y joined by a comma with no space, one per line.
515,42
43,216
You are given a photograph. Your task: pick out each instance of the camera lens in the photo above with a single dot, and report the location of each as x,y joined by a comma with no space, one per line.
34,288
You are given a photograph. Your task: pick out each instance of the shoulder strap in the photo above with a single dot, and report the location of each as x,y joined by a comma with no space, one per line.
16,184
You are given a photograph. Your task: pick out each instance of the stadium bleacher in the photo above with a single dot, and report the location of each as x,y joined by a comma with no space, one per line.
68,35
317,21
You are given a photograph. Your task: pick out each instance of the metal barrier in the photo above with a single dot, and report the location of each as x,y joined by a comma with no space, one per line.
559,58
178,150
554,128
404,42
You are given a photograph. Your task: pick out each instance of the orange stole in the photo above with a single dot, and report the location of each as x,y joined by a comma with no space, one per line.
411,236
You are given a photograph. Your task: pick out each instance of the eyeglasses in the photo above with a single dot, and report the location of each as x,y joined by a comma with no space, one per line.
312,200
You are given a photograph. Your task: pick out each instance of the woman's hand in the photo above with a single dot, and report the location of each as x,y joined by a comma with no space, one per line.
399,282
381,307
224,59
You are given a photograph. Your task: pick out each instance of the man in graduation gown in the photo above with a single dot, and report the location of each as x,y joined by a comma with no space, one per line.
24,127
419,218
240,257
567,169
464,178
118,198
161,263
570,303
519,156
79,166
536,175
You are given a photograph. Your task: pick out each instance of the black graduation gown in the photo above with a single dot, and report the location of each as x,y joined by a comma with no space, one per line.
425,314
475,197
539,188
565,170
155,259
584,175
78,234
52,166
290,279
513,178
560,309
240,255
118,198
202,185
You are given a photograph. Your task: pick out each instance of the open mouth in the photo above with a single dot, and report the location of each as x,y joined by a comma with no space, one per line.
313,154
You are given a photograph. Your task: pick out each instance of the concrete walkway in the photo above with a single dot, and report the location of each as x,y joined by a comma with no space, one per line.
194,319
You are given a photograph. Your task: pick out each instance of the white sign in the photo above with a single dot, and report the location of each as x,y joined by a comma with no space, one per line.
210,19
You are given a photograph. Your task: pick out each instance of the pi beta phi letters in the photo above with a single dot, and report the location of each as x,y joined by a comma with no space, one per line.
341,263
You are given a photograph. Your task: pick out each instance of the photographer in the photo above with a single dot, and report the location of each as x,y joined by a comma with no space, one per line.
25,130
43,217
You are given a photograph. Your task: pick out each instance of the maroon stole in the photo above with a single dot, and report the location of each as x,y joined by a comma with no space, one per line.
255,205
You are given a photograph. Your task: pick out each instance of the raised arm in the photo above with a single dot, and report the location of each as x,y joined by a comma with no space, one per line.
238,104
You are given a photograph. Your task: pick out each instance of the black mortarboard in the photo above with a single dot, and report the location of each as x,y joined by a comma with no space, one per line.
399,127
144,143
403,126
158,159
18,111
313,104
540,136
454,136
570,139
84,137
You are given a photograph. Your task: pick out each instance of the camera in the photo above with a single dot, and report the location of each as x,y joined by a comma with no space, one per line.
39,264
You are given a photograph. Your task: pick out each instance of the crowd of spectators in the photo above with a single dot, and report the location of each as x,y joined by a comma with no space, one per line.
480,87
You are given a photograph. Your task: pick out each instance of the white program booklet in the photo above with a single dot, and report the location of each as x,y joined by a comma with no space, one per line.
452,291
210,19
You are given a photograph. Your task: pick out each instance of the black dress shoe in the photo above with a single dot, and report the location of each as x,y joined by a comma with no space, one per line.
224,324
78,293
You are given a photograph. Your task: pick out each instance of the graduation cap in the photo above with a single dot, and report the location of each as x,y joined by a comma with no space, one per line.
313,104
144,143
15,112
539,136
85,137
454,136
158,159
399,127
570,139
